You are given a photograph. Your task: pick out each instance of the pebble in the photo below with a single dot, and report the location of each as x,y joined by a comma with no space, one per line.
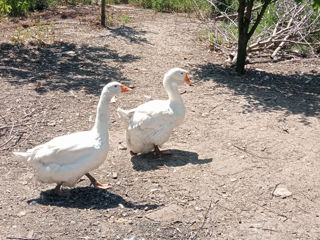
121,205
282,191
114,175
120,147
22,213
132,238
33,202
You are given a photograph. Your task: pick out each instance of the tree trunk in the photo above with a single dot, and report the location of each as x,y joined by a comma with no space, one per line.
242,37
242,52
244,19
103,13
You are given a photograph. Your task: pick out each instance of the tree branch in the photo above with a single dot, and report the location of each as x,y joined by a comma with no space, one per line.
258,20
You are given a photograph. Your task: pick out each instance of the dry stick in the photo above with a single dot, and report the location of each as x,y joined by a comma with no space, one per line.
250,153
30,113
10,137
17,125
282,43
29,134
234,15
223,13
6,142
204,221
196,4
3,118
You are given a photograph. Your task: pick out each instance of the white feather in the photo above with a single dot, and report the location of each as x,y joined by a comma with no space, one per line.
152,122
67,158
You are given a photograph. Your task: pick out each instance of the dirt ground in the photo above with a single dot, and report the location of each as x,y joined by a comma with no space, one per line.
245,162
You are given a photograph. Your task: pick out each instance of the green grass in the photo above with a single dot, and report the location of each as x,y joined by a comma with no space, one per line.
21,7
39,32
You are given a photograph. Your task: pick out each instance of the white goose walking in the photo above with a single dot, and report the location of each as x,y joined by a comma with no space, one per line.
150,124
65,159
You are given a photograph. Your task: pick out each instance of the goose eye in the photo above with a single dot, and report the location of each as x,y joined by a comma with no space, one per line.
115,86
181,73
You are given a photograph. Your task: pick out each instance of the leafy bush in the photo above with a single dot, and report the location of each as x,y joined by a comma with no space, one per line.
173,5
21,7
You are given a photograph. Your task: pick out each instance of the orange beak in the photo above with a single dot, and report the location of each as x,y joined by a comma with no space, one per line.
187,80
125,89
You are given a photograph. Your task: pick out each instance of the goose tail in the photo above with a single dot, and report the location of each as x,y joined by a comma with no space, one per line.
22,155
125,114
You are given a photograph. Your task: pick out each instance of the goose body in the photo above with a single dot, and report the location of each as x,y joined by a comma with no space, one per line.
149,125
65,159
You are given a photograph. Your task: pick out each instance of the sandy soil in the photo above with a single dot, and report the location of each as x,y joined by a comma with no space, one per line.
245,162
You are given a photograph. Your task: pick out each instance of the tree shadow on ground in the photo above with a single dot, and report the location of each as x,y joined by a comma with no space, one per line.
130,34
150,161
62,66
88,198
296,93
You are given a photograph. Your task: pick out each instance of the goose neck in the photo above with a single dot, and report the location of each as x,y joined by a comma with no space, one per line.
173,92
102,116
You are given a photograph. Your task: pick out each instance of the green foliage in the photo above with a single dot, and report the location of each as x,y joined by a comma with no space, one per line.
123,19
316,3
39,32
173,5
21,7
17,7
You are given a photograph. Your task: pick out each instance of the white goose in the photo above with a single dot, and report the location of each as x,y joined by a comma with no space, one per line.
150,124
65,159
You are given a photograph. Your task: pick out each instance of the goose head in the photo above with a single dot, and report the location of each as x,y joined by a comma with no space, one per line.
114,88
177,76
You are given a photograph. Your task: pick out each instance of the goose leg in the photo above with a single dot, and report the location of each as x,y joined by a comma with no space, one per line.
58,190
133,153
163,152
96,183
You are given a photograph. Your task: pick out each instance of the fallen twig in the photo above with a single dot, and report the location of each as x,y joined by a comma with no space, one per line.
6,142
250,153
205,218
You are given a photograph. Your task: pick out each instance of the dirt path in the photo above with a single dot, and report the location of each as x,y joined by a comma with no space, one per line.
245,163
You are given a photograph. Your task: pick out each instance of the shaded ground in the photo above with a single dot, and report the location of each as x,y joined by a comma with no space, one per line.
243,139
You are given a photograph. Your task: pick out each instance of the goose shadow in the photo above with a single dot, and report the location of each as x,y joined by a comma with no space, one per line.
150,161
88,198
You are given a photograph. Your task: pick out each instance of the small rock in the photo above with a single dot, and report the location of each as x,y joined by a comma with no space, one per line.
121,147
33,202
147,97
114,175
197,208
22,213
52,123
132,238
121,205
153,190
282,191
233,179
71,53
124,214
30,234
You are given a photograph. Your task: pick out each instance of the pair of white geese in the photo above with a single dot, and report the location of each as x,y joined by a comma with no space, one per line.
65,159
